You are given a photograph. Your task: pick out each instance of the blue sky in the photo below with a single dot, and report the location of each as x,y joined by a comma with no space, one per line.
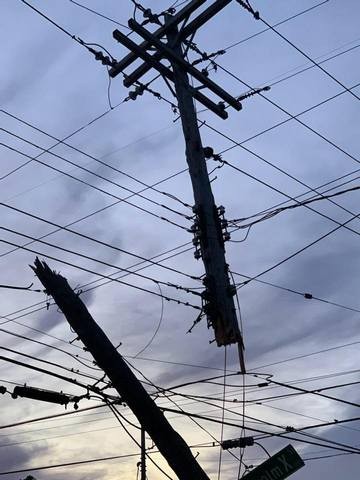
51,82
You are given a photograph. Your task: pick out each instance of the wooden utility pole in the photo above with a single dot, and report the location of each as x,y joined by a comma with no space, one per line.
218,296
143,455
170,444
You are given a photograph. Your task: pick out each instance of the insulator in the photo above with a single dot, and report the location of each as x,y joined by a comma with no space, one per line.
224,223
231,290
239,442
2,389
42,395
208,152
227,236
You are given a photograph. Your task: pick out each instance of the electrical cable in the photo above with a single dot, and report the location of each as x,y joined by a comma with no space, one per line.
54,364
99,14
88,257
309,58
95,159
33,340
273,213
318,391
306,355
46,304
268,434
313,418
264,422
118,417
297,252
86,237
69,464
308,296
147,345
293,117
276,25
222,416
225,162
48,372
309,67
101,190
122,282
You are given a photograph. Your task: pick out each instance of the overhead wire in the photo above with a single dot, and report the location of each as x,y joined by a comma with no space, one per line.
120,417
86,237
222,416
285,20
95,12
306,295
101,262
268,185
298,49
87,270
101,190
297,252
48,372
48,362
273,213
97,160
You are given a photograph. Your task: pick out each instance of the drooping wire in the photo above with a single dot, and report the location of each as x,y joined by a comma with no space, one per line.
147,345
222,414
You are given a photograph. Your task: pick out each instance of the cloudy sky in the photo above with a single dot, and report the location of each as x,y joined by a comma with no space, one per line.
51,87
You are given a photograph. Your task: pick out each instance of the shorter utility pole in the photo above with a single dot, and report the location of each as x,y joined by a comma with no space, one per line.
170,444
143,455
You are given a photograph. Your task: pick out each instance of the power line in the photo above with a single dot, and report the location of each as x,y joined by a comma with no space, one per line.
98,55
309,58
87,237
272,213
48,372
289,257
309,67
99,14
70,464
54,364
84,182
96,260
95,159
45,304
33,340
262,182
268,434
307,296
78,130
276,25
96,273
318,391
293,117
306,355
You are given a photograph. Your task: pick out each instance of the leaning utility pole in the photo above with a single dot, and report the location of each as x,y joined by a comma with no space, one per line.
170,444
209,225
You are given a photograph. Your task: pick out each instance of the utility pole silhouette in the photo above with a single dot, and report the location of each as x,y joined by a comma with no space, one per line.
209,228
170,444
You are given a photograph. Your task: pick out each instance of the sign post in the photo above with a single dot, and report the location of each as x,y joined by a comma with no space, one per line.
279,466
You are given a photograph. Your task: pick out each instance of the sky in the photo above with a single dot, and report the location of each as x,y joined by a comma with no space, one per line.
289,141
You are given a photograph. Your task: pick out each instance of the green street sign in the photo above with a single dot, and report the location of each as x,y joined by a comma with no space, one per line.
279,466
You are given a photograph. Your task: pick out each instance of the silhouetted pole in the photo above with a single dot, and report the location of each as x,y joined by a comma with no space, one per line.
170,444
